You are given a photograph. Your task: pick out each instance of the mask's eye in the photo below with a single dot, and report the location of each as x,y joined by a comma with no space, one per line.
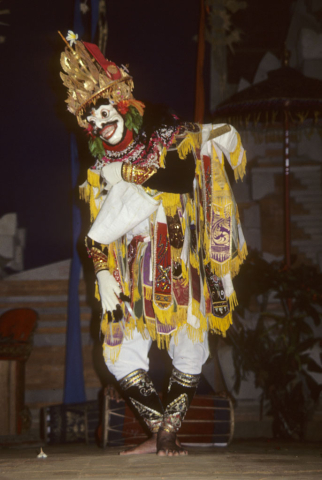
105,113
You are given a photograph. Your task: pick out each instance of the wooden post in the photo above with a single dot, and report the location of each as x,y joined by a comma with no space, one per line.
287,212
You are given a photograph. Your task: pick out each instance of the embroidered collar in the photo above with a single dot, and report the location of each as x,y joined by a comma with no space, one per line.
139,152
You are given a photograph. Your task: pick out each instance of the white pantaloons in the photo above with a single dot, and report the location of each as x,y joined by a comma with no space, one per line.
187,356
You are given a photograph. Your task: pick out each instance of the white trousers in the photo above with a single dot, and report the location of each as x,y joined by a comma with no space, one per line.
187,356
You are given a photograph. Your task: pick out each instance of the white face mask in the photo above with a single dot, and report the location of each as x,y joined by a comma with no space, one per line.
108,122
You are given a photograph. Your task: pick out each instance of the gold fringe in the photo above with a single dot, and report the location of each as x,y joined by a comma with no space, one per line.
242,253
150,325
126,289
202,216
234,156
136,294
97,292
195,308
142,328
221,201
93,178
104,324
185,146
92,206
163,341
170,201
240,171
162,157
194,334
111,353
181,315
219,325
85,192
233,302
191,210
164,316
230,266
190,142
199,172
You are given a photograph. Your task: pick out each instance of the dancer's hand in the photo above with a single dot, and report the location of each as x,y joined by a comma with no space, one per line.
110,291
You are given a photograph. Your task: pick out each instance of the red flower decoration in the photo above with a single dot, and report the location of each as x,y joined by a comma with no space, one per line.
89,131
123,107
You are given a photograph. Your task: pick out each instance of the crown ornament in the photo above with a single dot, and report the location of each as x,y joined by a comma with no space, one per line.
89,76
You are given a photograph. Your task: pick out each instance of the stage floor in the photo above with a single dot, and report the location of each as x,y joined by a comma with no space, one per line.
256,460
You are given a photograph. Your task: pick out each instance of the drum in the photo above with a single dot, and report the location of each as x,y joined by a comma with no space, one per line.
209,422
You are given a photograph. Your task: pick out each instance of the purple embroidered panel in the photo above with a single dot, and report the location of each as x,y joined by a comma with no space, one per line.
164,329
221,236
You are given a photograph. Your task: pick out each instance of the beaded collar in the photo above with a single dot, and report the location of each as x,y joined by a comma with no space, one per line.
139,152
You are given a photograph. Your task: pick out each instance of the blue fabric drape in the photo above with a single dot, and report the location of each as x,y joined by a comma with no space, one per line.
74,391
74,388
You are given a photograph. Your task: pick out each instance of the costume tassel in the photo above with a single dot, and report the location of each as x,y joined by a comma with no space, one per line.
93,178
185,147
194,334
233,302
240,171
163,341
170,201
111,353
162,157
195,308
150,325
136,294
238,164
242,253
220,325
164,315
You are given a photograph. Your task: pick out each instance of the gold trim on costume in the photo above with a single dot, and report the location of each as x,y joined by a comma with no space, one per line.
151,417
136,174
99,260
175,413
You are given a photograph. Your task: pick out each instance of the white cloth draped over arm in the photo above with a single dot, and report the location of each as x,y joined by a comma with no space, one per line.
126,206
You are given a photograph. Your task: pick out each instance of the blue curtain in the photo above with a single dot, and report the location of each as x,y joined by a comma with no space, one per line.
74,389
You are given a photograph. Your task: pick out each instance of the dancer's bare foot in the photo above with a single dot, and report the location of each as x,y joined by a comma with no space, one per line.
149,446
168,445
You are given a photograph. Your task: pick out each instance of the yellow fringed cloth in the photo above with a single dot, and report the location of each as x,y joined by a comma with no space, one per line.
190,286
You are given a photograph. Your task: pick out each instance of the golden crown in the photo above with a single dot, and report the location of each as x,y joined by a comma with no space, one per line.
89,76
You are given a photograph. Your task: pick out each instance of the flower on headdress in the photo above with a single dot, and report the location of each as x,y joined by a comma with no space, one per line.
123,107
71,37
